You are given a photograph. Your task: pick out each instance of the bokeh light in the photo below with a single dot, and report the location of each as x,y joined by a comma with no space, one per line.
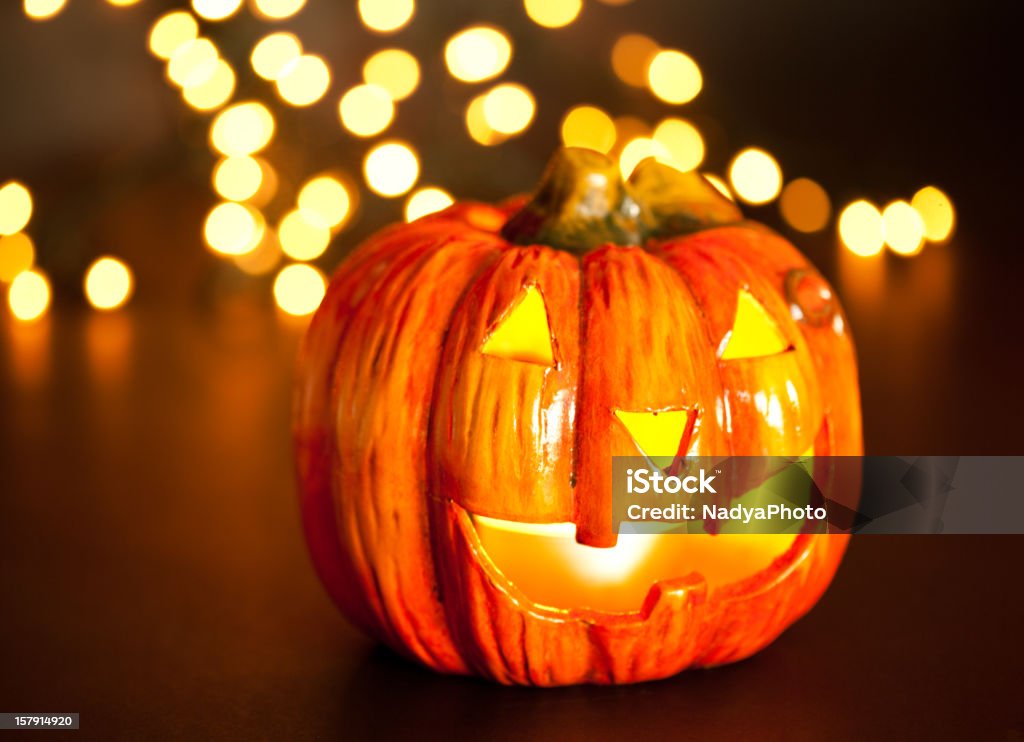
17,254
936,211
215,91
238,178
674,77
276,10
386,16
273,53
683,143
639,149
476,124
590,127
631,56
300,238
805,205
171,31
242,129
233,229
477,53
299,289
29,295
40,10
108,283
553,13
366,110
395,70
509,108
425,201
123,3
391,169
193,63
15,207
755,176
304,80
216,10
261,260
903,228
325,202
860,229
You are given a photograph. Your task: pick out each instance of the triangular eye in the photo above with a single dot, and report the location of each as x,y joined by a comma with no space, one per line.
662,433
523,334
754,333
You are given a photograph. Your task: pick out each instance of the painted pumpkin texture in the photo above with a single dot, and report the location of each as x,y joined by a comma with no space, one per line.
468,378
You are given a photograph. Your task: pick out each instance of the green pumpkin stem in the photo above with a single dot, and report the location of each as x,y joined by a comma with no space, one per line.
582,203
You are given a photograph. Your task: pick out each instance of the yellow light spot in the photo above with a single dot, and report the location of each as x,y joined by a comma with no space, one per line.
683,142
366,110
216,10
215,91
273,53
860,228
509,108
325,202
299,289
41,10
261,260
523,334
268,185
754,333
17,254
477,126
805,206
674,77
755,176
553,13
193,63
233,229
29,295
171,31
300,238
395,70
277,10
631,56
238,178
903,228
937,212
391,169
122,3
656,433
108,283
242,129
590,127
386,16
426,201
304,81
720,185
15,207
477,53
639,149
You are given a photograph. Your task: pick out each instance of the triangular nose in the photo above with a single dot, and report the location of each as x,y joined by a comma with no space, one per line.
660,433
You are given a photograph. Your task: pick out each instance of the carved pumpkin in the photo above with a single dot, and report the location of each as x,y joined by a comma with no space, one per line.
468,377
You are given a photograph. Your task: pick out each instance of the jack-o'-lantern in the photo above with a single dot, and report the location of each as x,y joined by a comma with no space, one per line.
468,378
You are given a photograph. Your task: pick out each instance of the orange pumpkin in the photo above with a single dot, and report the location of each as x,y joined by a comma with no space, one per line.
468,377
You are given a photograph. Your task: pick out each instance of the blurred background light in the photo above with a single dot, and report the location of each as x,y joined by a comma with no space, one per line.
263,259
170,31
277,10
17,254
553,13
273,53
386,16
395,70
590,127
936,211
674,77
216,10
304,80
391,169
720,185
108,283
123,3
193,63
476,124
427,201
755,176
300,238
366,110
631,56
639,149
299,289
40,10
29,295
215,91
238,178
15,207
903,228
805,205
477,53
242,129
509,108
682,142
325,202
860,228
233,229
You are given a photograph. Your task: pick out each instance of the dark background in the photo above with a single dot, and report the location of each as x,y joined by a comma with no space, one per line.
153,572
